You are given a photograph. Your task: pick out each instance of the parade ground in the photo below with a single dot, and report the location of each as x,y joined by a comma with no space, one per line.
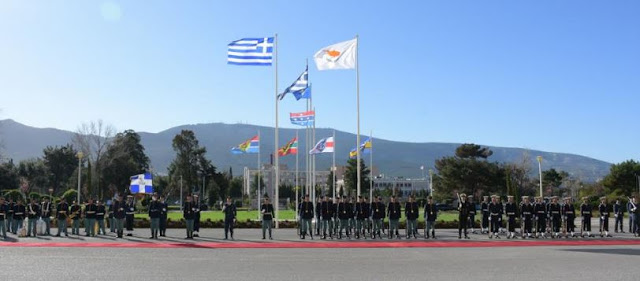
248,257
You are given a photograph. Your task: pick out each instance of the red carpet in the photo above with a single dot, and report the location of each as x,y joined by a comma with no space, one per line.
334,244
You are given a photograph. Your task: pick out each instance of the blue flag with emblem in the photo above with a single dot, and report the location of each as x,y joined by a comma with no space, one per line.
298,86
251,51
142,183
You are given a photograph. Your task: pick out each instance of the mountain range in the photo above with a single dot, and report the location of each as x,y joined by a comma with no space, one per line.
392,158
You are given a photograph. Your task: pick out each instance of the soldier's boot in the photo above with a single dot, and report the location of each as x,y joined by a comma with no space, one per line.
433,234
310,235
270,237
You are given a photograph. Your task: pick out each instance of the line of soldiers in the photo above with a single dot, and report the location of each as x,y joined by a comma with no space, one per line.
540,219
361,218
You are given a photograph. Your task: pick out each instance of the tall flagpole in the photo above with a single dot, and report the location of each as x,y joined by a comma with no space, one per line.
333,166
358,112
275,144
297,174
313,157
306,154
258,181
371,166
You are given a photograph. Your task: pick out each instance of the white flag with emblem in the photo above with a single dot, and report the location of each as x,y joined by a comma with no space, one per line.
342,55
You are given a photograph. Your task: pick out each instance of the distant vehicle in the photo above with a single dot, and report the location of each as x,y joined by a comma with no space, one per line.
444,207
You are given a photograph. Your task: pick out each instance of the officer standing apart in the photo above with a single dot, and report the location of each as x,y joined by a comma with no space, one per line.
463,214
188,212
163,216
229,211
154,215
267,217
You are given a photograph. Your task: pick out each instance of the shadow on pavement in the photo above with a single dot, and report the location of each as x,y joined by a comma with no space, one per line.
615,251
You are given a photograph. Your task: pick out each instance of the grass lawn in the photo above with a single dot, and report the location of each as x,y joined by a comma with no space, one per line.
284,214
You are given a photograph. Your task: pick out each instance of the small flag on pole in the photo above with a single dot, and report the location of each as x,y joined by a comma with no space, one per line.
325,145
290,148
337,56
302,118
142,183
365,148
250,146
298,86
251,51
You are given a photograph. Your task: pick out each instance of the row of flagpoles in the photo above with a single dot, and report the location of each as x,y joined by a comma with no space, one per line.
264,52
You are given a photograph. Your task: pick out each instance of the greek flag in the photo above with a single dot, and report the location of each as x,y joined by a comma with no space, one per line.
251,51
299,86
141,183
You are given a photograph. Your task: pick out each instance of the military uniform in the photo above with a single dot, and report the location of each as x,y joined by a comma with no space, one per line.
229,210
586,212
267,218
412,212
3,220
343,216
112,220
556,218
430,216
119,209
62,211
130,211
155,208
10,211
76,212
395,213
351,209
527,215
33,213
618,213
306,215
163,217
318,217
19,211
188,212
511,210
196,217
326,212
484,207
361,216
472,216
378,215
45,215
90,219
605,210
463,214
569,213
101,210
495,213
540,211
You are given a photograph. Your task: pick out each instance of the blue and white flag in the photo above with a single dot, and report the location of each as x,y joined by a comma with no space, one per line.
299,86
141,183
251,51
306,94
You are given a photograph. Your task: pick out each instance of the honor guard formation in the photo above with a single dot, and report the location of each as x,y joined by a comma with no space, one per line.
347,217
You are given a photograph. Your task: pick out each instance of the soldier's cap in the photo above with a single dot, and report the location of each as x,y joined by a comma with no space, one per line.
509,196
470,196
537,197
525,197
585,198
495,196
129,196
603,198
485,197
567,198
554,197
195,195
463,195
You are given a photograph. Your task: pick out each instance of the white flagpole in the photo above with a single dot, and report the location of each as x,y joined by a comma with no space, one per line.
358,113
371,166
277,177
306,154
297,173
258,181
313,181
333,166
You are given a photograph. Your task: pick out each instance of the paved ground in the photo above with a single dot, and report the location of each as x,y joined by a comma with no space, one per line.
453,261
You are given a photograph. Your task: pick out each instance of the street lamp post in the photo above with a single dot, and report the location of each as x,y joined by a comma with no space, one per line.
540,172
430,182
79,155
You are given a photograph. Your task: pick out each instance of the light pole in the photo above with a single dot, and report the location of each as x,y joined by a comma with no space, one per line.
430,182
51,194
540,172
79,155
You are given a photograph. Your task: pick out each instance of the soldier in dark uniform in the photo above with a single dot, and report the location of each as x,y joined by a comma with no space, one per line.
112,220
501,222
336,220
19,211
586,212
495,216
62,212
485,215
266,209
76,213
318,214
119,213
10,206
527,216
632,218
45,214
306,215
155,208
569,213
556,216
229,210
378,215
605,210
33,213
394,211
430,216
618,213
90,218
100,212
163,216
3,218
351,209
360,217
511,209
343,216
540,211
463,214
366,208
636,214
412,212
188,212
196,216
472,215
130,211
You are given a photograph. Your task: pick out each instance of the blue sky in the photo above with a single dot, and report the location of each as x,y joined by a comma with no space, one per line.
560,76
